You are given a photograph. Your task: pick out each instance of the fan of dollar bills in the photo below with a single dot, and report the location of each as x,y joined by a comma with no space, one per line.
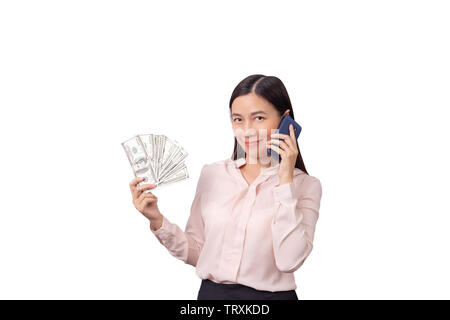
156,158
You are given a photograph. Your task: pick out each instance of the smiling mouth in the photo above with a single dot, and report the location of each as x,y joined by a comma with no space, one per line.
251,142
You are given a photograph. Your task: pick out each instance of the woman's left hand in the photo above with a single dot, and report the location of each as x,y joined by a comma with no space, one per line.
288,151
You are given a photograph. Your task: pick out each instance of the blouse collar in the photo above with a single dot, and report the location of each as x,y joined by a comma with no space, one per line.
264,171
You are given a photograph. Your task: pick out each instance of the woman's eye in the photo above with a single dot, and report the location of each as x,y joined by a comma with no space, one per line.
236,119
260,117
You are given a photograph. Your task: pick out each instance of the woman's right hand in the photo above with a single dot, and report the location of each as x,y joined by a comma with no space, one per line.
145,202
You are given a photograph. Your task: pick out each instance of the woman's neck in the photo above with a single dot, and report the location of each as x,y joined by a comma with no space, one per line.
255,164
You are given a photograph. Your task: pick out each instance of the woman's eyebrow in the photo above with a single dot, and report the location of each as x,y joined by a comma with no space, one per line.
253,113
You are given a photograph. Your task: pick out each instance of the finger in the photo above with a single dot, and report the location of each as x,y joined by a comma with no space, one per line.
280,143
139,192
135,193
283,145
144,196
273,142
291,130
291,139
275,148
135,181
146,186
280,136
147,201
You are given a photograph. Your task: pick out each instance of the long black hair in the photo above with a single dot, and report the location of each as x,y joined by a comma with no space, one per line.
273,90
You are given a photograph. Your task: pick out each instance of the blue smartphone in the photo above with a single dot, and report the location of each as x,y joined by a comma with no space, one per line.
284,129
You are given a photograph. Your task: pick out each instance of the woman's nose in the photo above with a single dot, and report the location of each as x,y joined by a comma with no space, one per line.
250,132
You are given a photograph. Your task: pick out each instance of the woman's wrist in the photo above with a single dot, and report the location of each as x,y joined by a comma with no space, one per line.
156,223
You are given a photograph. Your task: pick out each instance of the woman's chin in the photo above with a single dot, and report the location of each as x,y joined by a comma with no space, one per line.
255,149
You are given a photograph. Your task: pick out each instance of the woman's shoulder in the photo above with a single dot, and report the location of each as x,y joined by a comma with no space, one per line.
313,179
305,176
308,183
211,167
220,163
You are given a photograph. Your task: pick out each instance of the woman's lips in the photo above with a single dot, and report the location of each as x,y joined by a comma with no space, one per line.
247,143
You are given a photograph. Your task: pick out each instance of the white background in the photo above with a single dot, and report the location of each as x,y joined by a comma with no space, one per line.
369,82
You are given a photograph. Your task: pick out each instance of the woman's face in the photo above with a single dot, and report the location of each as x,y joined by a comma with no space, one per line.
254,119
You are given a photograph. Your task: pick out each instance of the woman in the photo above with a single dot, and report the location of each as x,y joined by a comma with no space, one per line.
252,221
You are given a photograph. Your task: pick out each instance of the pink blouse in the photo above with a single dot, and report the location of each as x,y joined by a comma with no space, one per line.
256,235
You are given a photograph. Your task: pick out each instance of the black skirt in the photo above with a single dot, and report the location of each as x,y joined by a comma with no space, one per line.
210,290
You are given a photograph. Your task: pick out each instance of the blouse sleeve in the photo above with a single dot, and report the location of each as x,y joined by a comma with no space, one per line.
185,245
294,222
